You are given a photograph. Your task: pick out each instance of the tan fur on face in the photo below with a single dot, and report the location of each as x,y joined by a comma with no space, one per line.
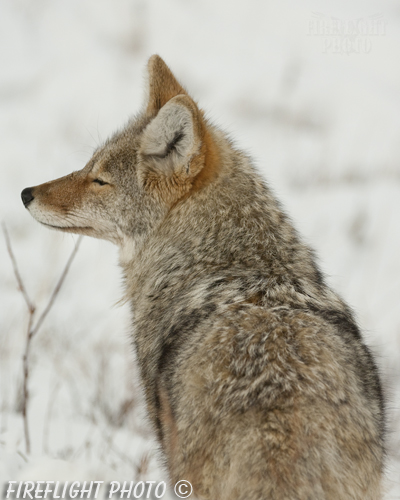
56,203
64,203
62,195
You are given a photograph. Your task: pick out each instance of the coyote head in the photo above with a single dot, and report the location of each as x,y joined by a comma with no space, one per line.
138,175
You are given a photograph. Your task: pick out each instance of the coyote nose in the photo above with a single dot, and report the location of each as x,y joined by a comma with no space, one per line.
27,196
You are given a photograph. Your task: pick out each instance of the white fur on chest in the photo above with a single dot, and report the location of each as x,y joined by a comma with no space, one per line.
127,250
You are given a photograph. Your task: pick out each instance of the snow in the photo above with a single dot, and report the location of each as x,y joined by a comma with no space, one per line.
322,126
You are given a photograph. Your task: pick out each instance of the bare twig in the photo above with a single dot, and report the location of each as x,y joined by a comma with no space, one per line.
57,288
25,389
22,456
21,285
33,329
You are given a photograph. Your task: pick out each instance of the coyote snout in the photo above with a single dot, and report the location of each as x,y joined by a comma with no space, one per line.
257,380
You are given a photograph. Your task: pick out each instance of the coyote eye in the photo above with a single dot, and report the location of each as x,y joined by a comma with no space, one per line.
99,181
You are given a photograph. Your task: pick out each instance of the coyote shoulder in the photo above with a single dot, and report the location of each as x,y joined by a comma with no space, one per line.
257,380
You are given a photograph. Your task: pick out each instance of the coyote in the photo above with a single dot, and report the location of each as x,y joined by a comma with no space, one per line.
257,381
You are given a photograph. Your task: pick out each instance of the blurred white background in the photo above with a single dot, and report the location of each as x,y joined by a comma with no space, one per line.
310,89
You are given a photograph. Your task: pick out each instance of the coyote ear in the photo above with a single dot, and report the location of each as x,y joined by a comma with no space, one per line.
171,140
162,85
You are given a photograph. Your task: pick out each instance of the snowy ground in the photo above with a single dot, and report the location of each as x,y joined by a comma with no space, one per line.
318,109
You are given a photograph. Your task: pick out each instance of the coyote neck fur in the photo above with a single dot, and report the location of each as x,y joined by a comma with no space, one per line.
241,240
